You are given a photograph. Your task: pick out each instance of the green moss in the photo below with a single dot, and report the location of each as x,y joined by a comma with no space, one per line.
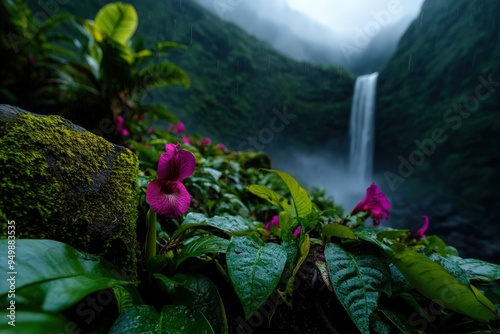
71,186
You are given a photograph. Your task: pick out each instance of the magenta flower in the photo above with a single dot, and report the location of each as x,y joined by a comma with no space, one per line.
186,140
167,195
374,202
119,126
275,221
205,141
420,234
221,147
178,128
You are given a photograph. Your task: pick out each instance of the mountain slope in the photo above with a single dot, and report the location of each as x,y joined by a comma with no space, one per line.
436,109
238,82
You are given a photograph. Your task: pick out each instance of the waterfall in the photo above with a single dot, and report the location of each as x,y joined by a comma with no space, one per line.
362,130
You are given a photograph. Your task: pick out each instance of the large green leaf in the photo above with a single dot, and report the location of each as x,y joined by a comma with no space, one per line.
338,231
118,21
180,319
477,270
357,280
436,283
202,246
53,276
301,199
228,224
141,319
34,322
270,195
198,294
255,269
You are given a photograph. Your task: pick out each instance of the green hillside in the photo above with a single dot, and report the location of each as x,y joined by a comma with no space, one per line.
237,81
433,88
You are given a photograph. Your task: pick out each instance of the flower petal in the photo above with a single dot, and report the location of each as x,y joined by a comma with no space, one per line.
420,234
374,202
168,198
176,164
274,221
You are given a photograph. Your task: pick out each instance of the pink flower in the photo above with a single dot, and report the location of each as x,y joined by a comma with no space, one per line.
205,141
374,202
119,126
221,147
186,140
167,195
178,128
420,234
275,221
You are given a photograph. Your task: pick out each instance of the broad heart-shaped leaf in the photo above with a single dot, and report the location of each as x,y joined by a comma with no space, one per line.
338,231
477,270
33,322
435,283
198,294
140,319
201,246
228,224
182,319
118,21
357,280
270,195
255,269
48,268
301,199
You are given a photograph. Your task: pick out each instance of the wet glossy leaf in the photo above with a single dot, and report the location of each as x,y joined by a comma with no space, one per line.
434,282
201,246
269,195
255,269
182,319
33,322
200,296
477,270
358,280
301,199
51,268
338,231
140,319
228,224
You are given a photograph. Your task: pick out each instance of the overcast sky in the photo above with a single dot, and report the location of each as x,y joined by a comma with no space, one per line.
343,16
349,33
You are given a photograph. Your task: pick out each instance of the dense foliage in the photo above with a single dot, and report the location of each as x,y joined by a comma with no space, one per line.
237,79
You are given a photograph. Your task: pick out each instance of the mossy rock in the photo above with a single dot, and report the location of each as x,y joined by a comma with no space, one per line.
64,183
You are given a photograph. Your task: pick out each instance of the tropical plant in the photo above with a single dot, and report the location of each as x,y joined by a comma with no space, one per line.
215,274
98,72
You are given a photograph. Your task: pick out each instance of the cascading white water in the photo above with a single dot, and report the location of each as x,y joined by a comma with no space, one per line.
362,130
